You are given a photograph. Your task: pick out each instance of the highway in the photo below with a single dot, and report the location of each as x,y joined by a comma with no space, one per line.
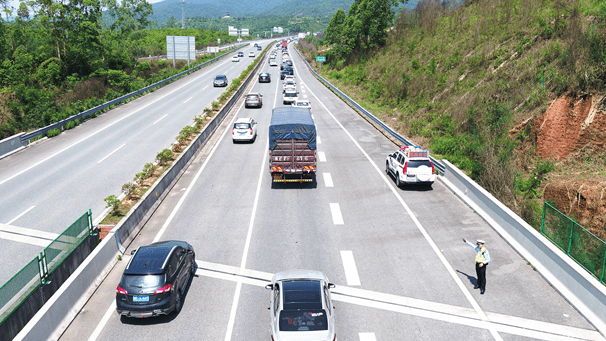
47,186
396,255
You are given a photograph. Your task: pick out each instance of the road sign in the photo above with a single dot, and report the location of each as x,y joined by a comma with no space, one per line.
320,59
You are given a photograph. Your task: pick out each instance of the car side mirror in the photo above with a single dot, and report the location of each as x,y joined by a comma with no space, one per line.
269,287
331,286
133,252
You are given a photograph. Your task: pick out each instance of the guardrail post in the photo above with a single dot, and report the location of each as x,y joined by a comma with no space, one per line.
570,239
91,228
603,268
43,267
543,220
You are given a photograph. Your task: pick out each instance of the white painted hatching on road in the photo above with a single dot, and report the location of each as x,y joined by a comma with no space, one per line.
328,180
367,337
322,156
335,210
351,271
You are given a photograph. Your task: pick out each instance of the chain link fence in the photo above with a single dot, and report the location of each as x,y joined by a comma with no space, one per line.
576,241
17,289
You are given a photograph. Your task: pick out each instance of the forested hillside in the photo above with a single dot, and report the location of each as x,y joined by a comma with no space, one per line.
511,91
58,60
258,25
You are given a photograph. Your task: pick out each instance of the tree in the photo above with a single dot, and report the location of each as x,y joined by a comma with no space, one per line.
8,10
334,31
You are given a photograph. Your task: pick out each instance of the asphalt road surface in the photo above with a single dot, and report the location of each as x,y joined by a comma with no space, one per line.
396,255
47,186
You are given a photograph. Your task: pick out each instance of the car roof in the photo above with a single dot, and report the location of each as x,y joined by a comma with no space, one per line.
243,120
152,259
299,274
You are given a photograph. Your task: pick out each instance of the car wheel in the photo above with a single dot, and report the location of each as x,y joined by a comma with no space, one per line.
398,182
178,302
387,167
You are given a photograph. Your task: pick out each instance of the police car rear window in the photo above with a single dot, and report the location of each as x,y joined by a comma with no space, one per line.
418,163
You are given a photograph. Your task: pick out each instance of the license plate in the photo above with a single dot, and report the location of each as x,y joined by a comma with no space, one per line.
241,133
144,298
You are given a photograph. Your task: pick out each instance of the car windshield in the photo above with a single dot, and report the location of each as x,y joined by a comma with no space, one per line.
241,125
143,281
303,320
418,163
264,74
220,78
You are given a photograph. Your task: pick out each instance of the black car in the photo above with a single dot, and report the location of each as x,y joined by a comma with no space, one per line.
284,73
290,70
288,62
155,279
259,48
264,77
220,80
240,54
283,65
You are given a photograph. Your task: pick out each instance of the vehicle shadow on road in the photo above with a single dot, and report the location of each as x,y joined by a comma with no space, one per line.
472,279
162,318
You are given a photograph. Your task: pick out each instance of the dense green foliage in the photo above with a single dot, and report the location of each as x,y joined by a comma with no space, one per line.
457,78
57,59
362,30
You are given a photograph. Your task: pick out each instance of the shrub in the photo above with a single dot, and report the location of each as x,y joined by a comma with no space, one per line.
113,202
164,157
53,132
129,189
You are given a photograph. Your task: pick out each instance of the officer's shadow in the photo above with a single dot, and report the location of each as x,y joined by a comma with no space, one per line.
472,280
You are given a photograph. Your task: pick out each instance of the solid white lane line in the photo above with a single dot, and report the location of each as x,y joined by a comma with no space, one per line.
109,125
28,232
234,306
367,336
103,322
415,307
108,155
318,140
351,271
328,180
335,210
429,240
20,215
189,99
322,156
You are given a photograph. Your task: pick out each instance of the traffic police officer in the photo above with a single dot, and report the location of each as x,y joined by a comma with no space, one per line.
482,260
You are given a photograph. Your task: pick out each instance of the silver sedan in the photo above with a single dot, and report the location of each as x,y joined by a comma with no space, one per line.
300,306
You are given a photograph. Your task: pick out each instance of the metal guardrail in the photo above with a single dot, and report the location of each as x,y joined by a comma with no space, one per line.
438,164
44,130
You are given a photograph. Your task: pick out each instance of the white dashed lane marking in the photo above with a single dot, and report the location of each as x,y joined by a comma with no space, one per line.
328,180
108,155
160,119
367,337
318,140
337,218
349,265
322,156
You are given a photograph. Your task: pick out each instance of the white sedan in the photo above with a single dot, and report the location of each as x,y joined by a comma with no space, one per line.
272,62
302,104
245,129
251,54
235,59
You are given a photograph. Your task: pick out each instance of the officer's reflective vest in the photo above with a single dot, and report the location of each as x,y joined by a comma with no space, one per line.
480,255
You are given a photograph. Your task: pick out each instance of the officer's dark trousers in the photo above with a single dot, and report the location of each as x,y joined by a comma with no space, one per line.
481,273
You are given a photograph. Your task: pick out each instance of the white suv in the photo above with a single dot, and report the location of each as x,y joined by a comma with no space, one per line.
245,129
290,96
411,165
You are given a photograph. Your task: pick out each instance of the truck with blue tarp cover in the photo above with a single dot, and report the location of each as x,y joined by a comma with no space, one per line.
292,145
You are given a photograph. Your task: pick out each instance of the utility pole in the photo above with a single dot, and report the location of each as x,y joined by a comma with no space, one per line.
183,15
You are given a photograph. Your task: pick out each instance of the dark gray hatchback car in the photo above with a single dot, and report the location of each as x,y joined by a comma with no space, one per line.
155,279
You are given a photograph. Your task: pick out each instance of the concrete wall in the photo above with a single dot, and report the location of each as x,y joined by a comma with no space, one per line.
10,144
15,322
580,288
